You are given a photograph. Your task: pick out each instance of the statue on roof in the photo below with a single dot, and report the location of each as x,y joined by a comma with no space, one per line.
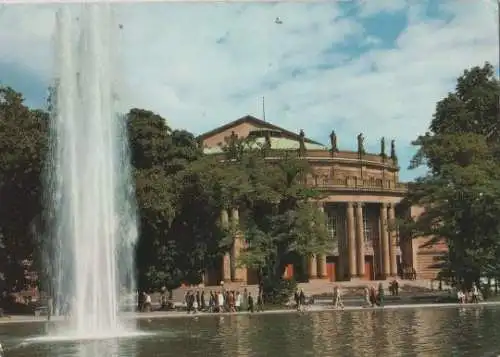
382,147
361,144
333,142
302,142
393,151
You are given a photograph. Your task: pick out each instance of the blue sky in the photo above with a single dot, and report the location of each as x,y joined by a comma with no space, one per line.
376,66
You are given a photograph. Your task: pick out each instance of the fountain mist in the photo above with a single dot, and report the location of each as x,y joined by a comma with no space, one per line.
92,213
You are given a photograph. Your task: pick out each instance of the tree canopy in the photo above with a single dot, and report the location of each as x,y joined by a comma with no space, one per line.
22,148
180,193
461,191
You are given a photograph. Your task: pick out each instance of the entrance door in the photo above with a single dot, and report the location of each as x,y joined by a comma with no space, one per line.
252,277
330,271
369,272
289,271
213,277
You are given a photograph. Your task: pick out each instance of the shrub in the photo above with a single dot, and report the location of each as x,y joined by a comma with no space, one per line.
278,291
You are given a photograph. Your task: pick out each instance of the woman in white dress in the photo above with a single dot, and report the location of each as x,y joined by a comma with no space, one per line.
237,303
220,301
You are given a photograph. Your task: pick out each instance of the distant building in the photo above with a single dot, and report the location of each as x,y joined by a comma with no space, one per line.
362,193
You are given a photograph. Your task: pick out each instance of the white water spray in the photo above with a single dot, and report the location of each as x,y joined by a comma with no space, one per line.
93,218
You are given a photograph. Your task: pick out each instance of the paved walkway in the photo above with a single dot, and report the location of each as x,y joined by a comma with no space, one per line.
312,308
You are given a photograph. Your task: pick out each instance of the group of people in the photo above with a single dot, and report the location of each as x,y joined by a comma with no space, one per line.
223,301
472,296
374,297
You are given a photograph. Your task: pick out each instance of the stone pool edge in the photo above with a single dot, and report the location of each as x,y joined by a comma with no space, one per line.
179,314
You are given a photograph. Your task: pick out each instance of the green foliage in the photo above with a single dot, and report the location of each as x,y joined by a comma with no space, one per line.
278,217
461,191
179,193
177,215
278,291
22,147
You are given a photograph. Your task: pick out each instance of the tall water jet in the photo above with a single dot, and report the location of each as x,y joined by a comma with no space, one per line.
91,197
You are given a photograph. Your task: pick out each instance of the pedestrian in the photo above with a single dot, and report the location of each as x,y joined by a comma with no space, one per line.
381,294
296,298
260,302
373,296
302,300
202,300
475,294
238,301
368,302
250,302
338,298
220,301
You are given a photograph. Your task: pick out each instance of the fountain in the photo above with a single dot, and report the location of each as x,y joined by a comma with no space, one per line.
92,212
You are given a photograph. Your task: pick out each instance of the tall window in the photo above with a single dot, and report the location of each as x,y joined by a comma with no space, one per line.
331,225
368,225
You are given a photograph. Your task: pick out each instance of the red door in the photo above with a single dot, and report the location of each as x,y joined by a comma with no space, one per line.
289,271
368,268
330,271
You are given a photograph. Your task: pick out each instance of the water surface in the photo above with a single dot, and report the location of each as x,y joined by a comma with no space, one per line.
471,331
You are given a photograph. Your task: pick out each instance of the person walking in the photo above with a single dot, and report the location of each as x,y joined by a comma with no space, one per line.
338,298
368,302
475,294
238,301
250,302
302,300
381,294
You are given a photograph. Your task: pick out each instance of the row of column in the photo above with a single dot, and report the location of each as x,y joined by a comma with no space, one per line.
231,271
317,263
388,239
317,266
356,245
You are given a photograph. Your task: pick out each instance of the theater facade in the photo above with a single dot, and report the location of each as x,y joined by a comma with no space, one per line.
361,200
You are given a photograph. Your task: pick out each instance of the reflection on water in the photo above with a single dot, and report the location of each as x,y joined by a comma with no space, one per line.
410,332
108,348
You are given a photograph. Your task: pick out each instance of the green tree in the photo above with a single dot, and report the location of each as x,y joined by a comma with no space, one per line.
460,192
178,215
23,145
278,216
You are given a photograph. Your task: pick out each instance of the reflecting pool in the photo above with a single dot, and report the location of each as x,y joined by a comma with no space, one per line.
471,331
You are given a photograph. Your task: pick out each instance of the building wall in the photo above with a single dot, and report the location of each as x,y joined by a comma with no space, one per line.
242,130
372,182
426,257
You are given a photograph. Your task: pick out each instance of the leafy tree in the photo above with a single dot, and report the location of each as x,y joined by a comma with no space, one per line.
278,216
22,148
196,231
460,192
178,213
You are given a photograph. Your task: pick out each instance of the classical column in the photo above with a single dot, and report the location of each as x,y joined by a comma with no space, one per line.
238,273
312,267
392,241
360,240
226,260
384,241
351,240
321,258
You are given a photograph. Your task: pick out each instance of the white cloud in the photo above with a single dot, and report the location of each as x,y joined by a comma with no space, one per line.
173,64
372,7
